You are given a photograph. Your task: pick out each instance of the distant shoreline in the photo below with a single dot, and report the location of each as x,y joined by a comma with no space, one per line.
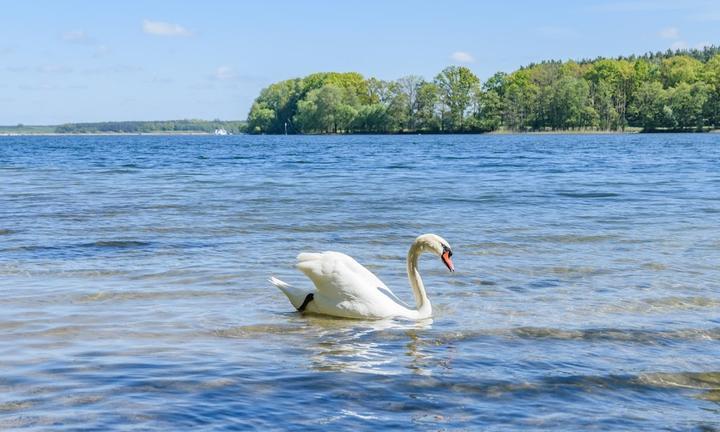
578,132
104,133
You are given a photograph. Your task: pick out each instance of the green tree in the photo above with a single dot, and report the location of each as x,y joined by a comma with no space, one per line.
686,102
711,76
372,118
647,107
519,100
325,110
680,69
352,82
496,84
427,117
281,99
604,106
489,104
379,91
260,119
397,108
489,111
457,87
611,87
570,103
410,87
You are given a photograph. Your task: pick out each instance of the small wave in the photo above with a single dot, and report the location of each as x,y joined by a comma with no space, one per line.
247,157
574,238
16,405
493,248
7,231
471,200
117,171
708,381
499,165
690,380
665,304
252,331
83,273
116,244
549,384
117,296
623,335
580,271
75,248
589,194
596,334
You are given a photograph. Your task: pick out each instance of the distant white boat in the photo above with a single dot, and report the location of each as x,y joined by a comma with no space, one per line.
221,131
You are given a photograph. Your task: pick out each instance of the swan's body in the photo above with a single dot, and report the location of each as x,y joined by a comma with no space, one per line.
344,288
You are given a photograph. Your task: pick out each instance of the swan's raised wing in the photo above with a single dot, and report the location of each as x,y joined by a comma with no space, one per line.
338,276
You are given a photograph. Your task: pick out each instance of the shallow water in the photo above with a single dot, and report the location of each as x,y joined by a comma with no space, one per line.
134,296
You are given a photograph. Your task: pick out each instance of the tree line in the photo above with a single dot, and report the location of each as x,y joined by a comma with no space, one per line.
673,90
152,126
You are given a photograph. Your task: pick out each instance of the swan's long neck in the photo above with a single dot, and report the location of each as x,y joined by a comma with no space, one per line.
421,300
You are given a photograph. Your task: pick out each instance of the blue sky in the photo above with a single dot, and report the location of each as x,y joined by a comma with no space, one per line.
151,60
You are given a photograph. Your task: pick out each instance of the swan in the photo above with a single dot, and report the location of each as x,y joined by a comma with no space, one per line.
344,288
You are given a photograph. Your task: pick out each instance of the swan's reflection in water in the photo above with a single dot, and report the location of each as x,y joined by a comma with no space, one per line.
369,346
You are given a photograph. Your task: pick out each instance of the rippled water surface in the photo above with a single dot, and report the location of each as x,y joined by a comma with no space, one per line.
133,291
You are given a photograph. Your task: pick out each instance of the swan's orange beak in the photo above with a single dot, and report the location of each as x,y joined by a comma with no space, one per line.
447,260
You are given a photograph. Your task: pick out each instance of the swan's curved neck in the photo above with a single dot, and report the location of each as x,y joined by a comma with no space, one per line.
421,300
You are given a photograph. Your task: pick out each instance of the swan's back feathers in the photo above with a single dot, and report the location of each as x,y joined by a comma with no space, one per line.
338,275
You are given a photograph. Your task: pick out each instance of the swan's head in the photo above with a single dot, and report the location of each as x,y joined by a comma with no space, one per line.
437,245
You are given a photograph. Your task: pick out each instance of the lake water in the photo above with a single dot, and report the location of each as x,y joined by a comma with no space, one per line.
134,294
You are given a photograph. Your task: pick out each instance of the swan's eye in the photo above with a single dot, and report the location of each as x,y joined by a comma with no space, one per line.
447,249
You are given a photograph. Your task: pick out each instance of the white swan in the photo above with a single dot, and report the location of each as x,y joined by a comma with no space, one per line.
344,288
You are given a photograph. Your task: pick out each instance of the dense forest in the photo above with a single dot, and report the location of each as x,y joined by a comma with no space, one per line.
668,91
178,126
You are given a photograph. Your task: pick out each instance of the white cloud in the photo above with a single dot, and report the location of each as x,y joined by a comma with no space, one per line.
160,28
670,33
76,36
679,45
462,57
225,73
704,44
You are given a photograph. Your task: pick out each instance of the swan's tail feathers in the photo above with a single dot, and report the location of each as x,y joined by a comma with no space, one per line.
295,295
278,283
